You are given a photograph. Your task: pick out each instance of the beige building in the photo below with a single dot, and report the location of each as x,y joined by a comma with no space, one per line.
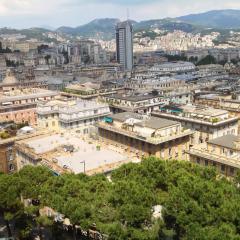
208,123
8,163
10,82
26,46
143,102
222,153
230,105
145,135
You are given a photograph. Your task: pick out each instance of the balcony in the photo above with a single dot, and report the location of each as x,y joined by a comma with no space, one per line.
70,119
45,111
233,161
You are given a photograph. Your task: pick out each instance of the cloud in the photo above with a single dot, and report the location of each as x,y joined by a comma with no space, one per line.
27,13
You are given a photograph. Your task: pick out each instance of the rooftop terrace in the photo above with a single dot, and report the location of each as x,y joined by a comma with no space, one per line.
83,156
32,93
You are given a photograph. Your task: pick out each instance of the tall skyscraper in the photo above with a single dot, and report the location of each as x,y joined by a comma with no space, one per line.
124,45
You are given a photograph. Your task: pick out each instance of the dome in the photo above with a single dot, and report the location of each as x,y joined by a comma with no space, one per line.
9,79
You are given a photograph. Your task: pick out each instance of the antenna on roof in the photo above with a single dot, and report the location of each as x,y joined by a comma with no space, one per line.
127,13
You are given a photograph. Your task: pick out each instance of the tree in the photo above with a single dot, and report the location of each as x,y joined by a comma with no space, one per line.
196,202
11,207
207,60
32,179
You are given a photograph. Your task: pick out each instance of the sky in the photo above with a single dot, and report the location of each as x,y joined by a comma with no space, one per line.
56,13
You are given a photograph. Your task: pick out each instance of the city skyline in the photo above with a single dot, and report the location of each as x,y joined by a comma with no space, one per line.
34,13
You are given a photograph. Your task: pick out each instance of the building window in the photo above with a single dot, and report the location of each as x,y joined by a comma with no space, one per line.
206,162
198,161
170,151
231,170
223,168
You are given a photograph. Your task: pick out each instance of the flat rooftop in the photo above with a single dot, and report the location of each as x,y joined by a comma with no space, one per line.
204,111
30,93
52,148
144,121
133,97
72,106
174,64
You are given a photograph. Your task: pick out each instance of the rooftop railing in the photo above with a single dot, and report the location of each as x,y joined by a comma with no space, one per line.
231,160
69,119
211,122
139,136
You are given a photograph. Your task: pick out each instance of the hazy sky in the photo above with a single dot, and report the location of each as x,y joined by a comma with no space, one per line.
55,13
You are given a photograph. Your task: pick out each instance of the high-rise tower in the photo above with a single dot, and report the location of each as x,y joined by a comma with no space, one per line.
124,45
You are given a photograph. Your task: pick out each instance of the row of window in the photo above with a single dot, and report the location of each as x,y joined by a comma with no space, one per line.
214,164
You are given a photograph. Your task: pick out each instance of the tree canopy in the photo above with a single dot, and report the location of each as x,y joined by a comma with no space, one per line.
196,202
207,60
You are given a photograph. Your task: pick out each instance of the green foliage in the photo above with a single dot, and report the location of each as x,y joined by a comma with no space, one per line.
4,135
44,221
31,180
172,58
197,204
2,50
215,120
207,60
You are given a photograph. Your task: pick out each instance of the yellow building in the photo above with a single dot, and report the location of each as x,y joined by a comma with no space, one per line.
222,153
208,123
145,136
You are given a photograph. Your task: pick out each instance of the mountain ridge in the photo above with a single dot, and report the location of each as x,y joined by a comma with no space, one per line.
104,28
220,19
226,18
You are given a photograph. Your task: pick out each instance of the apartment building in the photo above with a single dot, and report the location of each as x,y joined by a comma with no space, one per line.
20,105
222,153
173,67
7,160
8,163
11,83
65,113
208,123
142,102
145,136
220,102
150,82
210,99
180,97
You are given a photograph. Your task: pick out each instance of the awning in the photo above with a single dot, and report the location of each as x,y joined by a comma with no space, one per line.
108,119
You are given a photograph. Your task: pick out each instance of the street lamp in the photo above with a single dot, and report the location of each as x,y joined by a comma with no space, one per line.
84,166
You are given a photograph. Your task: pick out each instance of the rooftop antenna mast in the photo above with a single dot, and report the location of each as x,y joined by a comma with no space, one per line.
127,13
